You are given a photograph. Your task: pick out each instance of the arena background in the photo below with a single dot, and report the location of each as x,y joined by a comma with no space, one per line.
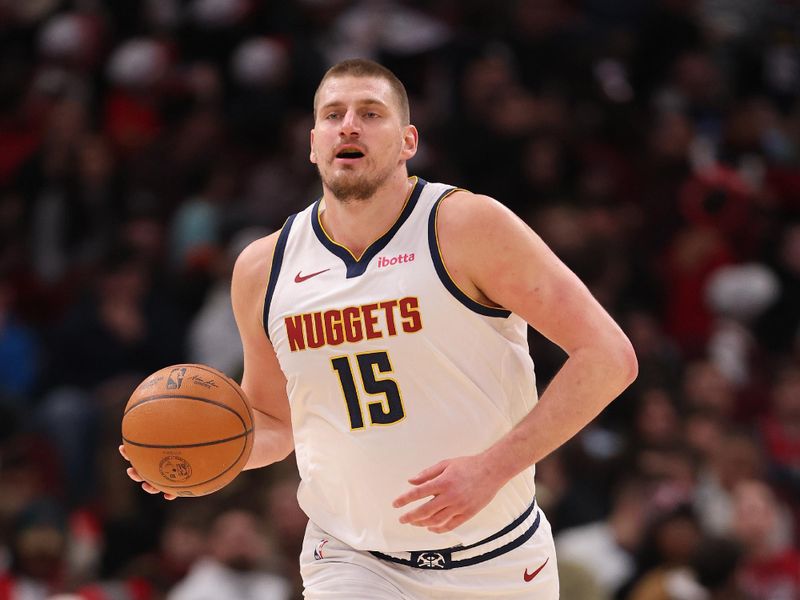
653,144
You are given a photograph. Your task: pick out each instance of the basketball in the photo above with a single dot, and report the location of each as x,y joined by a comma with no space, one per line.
188,429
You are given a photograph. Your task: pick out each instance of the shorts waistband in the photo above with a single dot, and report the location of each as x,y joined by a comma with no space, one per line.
511,536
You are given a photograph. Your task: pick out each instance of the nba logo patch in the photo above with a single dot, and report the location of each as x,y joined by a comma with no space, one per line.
318,555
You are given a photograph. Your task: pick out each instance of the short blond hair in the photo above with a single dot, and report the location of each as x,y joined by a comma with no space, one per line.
361,67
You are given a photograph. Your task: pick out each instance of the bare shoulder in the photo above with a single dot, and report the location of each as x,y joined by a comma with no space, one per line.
475,234
250,277
463,210
474,223
475,220
255,261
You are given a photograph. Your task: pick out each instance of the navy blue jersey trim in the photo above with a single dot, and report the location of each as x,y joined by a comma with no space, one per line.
441,270
356,267
446,555
508,528
277,262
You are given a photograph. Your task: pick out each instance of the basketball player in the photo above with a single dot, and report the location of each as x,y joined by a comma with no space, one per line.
384,332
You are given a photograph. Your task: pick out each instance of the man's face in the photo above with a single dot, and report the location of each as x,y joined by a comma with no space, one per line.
358,138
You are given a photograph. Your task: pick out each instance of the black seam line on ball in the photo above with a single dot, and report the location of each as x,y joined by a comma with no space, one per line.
197,445
197,398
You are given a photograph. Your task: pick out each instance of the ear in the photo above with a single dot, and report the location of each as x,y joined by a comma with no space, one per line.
312,155
410,142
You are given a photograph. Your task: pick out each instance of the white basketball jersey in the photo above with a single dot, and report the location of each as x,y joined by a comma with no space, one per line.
390,369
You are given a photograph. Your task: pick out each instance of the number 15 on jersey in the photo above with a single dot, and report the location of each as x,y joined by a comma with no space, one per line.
384,411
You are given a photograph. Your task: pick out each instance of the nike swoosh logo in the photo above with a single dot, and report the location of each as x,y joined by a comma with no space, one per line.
301,278
529,576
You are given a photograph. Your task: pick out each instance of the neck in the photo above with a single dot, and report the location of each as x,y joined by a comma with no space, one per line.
355,224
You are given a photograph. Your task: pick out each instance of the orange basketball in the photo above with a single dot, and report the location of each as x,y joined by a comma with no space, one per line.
188,429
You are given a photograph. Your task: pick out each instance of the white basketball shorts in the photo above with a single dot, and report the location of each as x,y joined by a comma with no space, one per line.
517,562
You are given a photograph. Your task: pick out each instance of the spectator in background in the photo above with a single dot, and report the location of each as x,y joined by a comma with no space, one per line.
121,326
235,567
20,359
660,361
656,423
605,549
779,326
113,590
199,224
703,430
213,338
182,542
485,80
268,195
737,296
780,431
737,458
771,564
705,387
715,565
13,235
260,78
56,227
132,118
29,471
670,541
695,253
38,553
710,575
288,526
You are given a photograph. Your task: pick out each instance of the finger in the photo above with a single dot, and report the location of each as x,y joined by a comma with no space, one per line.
454,522
438,519
424,511
147,487
418,493
428,473
133,474
150,489
123,452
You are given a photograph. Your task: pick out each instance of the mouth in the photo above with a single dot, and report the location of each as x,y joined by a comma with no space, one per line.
349,154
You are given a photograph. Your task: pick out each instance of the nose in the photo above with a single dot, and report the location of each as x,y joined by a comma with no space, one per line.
350,125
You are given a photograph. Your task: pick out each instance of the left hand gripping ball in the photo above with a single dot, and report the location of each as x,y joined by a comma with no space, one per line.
188,429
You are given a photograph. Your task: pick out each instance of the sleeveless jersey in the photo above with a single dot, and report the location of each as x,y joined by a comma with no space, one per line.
390,369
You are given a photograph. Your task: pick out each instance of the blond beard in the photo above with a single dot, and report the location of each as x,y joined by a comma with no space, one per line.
348,189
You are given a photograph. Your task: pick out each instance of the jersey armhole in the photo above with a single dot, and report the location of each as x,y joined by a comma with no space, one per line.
441,269
275,269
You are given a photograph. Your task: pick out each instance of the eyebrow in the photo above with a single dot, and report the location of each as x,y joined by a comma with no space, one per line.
363,102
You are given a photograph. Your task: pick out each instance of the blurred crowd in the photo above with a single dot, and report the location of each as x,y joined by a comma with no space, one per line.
655,145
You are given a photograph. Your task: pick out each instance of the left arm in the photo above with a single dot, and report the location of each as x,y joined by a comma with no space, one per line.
497,259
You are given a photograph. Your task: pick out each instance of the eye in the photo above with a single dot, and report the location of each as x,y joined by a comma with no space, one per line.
332,115
371,115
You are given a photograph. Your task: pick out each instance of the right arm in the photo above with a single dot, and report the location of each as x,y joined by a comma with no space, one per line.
263,381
